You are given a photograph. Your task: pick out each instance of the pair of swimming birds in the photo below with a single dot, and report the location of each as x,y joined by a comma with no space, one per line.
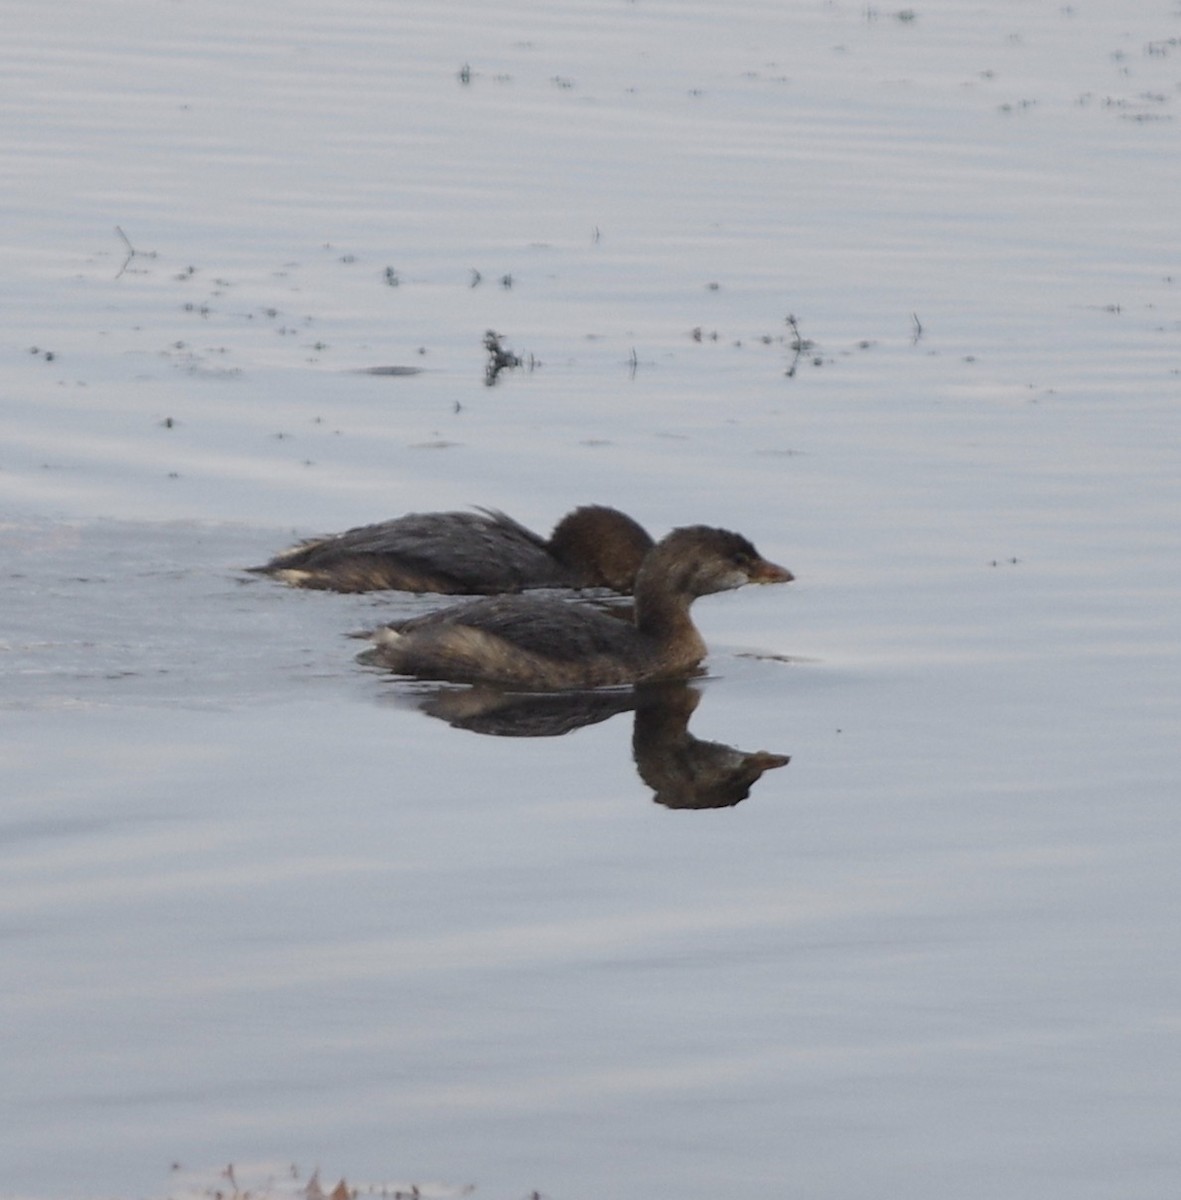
526,641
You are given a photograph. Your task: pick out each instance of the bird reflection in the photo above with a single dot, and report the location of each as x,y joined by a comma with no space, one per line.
683,771
485,709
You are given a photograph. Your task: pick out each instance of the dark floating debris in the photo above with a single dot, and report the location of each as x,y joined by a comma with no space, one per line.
905,15
389,370
798,346
392,278
498,358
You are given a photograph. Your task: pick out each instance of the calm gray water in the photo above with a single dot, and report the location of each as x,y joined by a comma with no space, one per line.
262,905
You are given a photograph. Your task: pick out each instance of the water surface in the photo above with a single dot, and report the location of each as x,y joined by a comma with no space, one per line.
260,904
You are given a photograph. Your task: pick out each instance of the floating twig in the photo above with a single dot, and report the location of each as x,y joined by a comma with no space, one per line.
228,1173
132,252
798,345
918,328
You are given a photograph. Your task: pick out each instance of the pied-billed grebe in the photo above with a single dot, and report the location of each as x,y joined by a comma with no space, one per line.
476,553
534,643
